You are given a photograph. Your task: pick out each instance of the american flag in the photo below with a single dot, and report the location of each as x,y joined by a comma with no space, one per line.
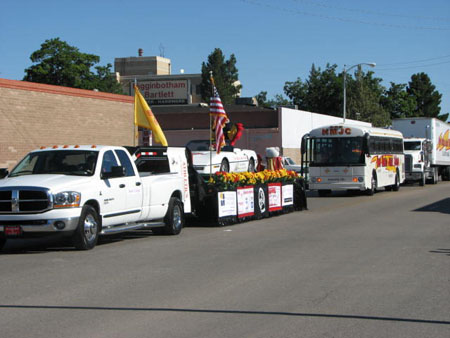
220,119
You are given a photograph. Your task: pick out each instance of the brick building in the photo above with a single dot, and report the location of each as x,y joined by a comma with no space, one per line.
34,115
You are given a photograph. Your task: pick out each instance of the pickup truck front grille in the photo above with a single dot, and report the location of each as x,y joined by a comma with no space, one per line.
22,200
408,163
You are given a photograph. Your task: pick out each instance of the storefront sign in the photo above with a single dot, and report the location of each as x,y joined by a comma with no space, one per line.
165,91
245,201
227,203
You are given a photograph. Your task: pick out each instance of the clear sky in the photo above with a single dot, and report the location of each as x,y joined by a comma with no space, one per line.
274,41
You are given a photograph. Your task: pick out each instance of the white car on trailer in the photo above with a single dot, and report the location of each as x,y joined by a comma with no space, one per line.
230,159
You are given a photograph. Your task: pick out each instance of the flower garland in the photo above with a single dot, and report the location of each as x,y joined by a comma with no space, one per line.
226,181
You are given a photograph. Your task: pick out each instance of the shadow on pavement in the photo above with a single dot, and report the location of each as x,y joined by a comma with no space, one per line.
442,206
220,312
441,251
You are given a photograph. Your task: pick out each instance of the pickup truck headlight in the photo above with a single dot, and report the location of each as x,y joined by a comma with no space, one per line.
66,199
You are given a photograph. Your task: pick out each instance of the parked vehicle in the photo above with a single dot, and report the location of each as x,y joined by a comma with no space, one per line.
289,164
418,161
351,157
229,159
86,191
437,134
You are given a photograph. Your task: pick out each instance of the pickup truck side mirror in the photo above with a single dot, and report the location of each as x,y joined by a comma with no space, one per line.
116,171
3,172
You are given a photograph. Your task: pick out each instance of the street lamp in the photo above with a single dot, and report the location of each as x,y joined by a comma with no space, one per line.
372,64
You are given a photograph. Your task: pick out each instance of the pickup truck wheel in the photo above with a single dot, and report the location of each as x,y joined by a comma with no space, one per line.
225,166
174,218
86,234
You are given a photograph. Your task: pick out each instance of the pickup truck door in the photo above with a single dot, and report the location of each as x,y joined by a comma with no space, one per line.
113,196
133,187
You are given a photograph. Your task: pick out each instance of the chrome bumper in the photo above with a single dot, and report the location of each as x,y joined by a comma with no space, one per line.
337,186
45,222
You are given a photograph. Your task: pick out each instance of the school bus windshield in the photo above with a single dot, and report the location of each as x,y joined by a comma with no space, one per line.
342,151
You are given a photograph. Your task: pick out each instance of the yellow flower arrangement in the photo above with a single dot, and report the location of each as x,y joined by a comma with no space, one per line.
225,181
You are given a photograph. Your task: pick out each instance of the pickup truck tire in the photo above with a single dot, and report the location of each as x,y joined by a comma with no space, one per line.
174,218
86,234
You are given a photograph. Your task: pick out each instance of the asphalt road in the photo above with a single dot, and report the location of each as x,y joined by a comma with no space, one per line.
350,266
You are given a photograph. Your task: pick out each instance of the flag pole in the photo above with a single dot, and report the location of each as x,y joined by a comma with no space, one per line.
210,125
134,122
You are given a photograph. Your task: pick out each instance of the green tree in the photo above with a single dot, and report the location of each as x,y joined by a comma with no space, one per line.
277,101
320,93
58,63
364,96
105,80
225,75
427,98
397,102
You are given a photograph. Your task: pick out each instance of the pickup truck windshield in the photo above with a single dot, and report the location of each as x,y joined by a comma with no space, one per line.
63,162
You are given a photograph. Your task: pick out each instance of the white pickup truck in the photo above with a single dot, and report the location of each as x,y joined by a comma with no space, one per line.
86,191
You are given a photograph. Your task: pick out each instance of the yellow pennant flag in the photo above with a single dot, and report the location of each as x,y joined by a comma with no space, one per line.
143,117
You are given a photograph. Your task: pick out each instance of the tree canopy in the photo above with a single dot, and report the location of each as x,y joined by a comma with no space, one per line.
320,93
426,98
225,75
277,101
58,63
398,102
367,99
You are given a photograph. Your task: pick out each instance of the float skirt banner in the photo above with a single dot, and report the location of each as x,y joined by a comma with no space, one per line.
274,190
226,203
245,201
287,194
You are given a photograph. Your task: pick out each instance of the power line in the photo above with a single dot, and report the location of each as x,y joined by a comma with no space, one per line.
336,18
364,11
409,62
412,67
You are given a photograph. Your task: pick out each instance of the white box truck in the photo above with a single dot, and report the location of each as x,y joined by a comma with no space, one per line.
427,148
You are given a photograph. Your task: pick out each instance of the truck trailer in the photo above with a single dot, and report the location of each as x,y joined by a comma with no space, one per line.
427,148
